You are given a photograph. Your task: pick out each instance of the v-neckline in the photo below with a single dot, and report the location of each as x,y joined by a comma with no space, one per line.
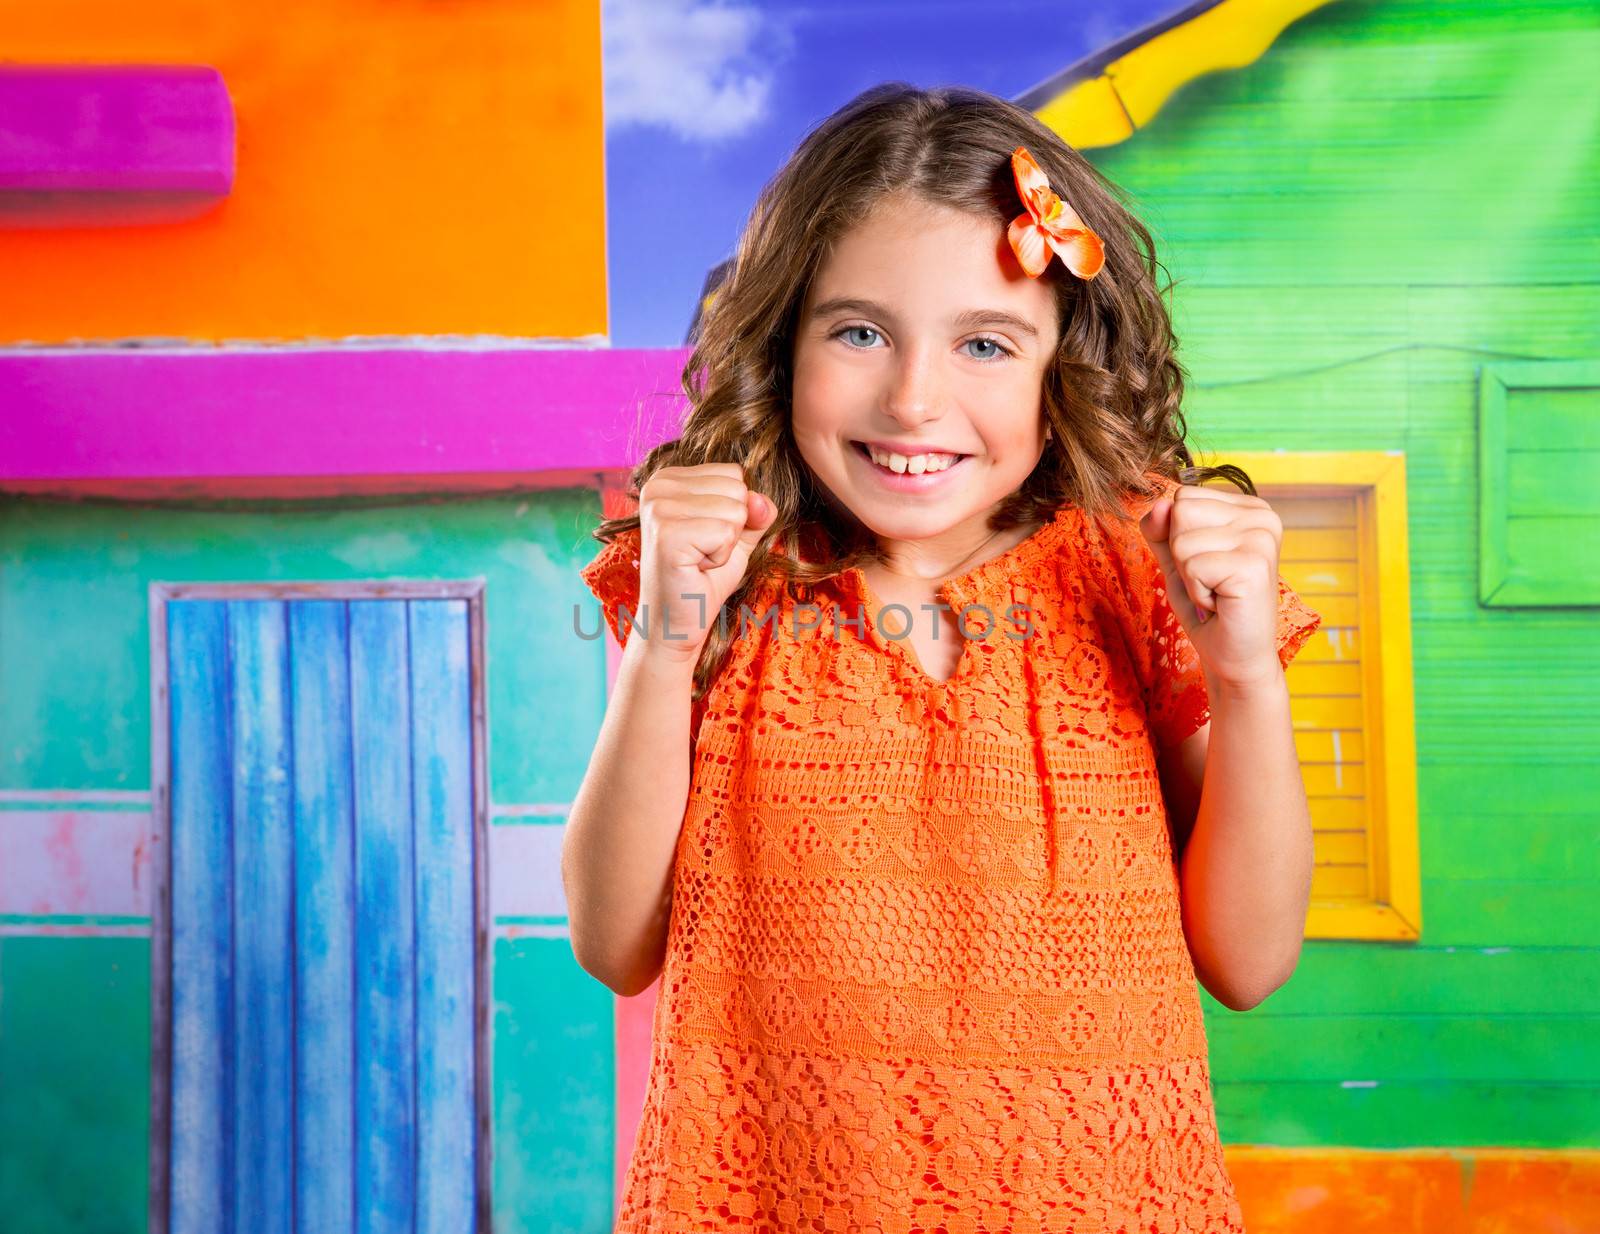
971,582
899,647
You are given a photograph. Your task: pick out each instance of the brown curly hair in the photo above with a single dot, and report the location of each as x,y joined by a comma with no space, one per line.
1112,393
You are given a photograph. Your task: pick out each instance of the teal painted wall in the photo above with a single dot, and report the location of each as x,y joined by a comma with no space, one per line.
555,1083
74,677
73,581
1394,195
74,1084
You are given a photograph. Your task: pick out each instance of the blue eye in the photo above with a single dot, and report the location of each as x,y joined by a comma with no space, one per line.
856,329
1003,351
996,343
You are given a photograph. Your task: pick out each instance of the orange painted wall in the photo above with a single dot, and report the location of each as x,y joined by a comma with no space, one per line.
1425,1190
404,167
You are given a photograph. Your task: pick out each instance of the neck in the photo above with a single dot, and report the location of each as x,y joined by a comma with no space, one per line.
939,557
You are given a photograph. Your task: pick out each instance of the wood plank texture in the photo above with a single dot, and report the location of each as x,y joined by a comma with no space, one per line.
385,920
325,925
324,854
1326,215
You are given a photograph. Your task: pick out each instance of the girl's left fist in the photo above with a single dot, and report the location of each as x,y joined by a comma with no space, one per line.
1218,549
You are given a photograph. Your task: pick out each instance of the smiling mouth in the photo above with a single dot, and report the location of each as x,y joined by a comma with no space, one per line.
865,452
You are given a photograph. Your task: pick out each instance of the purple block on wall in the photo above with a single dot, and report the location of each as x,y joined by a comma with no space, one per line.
112,145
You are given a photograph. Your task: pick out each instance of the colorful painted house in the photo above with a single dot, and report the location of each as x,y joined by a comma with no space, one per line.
290,696
307,408
1432,1063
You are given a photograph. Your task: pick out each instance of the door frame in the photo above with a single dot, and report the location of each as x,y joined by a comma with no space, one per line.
160,593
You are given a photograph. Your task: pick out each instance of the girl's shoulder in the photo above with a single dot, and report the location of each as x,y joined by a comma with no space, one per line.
1092,552
1110,548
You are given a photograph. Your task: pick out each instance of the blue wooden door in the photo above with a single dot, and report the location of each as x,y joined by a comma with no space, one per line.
323,1058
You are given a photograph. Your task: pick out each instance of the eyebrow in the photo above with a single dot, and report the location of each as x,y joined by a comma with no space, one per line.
962,321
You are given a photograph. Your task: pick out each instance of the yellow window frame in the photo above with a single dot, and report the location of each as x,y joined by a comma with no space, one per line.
1375,482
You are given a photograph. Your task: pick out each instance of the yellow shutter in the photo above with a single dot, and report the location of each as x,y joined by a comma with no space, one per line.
1344,550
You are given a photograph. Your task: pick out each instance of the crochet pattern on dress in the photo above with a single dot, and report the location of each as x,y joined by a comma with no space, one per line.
926,968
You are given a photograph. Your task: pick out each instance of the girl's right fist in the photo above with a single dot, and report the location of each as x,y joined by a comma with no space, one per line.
698,527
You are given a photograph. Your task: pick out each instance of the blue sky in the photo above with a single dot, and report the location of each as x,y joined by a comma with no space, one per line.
704,100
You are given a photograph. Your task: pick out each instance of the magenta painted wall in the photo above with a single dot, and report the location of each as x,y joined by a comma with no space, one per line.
294,421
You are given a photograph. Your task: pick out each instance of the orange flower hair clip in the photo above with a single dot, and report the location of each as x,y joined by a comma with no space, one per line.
1049,224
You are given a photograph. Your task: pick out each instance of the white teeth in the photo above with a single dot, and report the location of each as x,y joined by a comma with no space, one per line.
914,465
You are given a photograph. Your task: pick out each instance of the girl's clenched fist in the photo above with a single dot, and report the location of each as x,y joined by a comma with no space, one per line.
698,526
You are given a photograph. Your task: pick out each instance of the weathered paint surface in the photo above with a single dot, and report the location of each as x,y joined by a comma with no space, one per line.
362,207
554,1081
1324,212
323,981
74,669
74,661
94,866
342,420
169,156
74,863
74,1084
1469,1191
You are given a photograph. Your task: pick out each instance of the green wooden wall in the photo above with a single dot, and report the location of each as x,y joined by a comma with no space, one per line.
1394,195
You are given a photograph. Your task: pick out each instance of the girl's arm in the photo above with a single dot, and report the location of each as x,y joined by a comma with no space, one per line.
622,832
698,526
1238,804
1233,786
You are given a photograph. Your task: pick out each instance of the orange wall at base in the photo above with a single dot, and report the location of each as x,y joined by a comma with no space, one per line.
406,167
1417,1191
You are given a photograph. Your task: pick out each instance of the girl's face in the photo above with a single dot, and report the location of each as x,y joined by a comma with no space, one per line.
921,333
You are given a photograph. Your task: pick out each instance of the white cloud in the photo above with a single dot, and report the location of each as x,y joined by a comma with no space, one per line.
688,67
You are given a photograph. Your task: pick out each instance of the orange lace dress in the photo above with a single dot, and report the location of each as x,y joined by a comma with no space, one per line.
925,968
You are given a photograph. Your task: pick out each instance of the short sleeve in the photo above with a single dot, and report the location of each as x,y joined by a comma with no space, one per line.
1171,679
613,578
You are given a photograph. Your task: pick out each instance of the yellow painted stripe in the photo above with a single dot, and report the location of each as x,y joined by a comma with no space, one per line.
1129,91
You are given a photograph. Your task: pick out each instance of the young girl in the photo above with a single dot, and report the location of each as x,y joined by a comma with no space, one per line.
927,621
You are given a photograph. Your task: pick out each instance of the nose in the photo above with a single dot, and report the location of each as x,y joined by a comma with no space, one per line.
915,394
